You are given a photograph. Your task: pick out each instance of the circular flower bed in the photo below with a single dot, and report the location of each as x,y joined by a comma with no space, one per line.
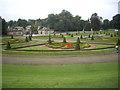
67,45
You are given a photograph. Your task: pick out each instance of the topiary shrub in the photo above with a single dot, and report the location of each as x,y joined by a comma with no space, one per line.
12,37
78,40
71,35
81,37
26,39
64,40
62,36
77,47
92,38
30,38
8,45
49,40
111,35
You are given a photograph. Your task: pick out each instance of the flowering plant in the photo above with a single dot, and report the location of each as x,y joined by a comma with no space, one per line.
67,45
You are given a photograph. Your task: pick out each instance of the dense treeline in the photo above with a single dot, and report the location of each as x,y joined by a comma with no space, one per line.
65,21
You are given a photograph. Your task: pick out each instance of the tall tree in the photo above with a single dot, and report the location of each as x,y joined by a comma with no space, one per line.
95,22
116,21
106,24
22,23
87,25
4,27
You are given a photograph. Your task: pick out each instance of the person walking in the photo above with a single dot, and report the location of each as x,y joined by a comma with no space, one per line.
117,48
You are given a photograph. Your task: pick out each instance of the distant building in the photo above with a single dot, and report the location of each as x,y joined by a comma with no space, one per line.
119,7
16,31
45,31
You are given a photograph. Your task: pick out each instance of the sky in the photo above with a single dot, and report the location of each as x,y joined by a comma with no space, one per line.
34,9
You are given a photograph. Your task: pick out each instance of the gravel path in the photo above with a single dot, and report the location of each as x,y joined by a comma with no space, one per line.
58,60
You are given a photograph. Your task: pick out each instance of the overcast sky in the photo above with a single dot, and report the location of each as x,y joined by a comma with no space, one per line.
34,9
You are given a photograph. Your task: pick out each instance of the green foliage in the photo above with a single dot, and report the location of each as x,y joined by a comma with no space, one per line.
49,40
77,47
81,37
116,21
111,35
8,45
4,26
71,35
78,40
64,40
30,38
12,37
95,22
92,38
26,39
62,36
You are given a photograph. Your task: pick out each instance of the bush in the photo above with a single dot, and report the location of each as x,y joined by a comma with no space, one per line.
78,40
30,38
92,38
8,46
64,40
62,35
111,35
71,35
81,37
12,37
49,40
26,39
77,47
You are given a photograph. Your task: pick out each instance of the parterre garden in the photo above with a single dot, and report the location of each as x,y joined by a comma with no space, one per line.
61,42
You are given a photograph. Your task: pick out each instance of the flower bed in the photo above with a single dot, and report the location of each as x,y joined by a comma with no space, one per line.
12,40
67,45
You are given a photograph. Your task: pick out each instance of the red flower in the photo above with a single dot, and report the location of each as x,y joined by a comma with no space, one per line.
67,44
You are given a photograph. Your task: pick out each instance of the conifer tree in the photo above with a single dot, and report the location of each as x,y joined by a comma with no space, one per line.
26,39
12,37
77,47
8,45
81,37
49,40
78,40
92,38
64,40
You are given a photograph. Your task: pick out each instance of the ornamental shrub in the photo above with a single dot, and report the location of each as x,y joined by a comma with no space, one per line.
81,37
8,45
64,40
30,38
78,40
77,47
12,37
71,35
49,40
26,39
92,38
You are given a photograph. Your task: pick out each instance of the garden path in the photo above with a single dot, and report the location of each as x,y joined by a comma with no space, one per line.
59,59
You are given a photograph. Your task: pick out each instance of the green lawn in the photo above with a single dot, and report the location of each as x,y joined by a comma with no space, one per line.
102,75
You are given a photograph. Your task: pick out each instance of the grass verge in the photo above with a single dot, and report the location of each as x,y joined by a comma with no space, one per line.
102,75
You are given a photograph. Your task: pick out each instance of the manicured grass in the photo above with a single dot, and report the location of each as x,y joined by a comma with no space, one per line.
59,53
34,48
102,75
